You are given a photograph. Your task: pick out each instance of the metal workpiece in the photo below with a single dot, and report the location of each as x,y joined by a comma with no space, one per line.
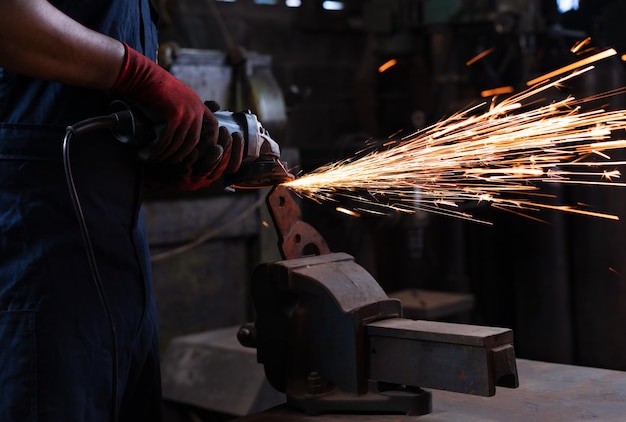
296,238
462,358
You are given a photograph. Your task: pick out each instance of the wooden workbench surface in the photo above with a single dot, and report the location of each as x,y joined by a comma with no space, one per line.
547,392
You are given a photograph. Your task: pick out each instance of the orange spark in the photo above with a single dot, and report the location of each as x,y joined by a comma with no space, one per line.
580,44
497,91
599,56
478,57
347,211
388,64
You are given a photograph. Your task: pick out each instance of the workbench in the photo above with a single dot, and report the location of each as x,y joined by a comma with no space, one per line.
547,392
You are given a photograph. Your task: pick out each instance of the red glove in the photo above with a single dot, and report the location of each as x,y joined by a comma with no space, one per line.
165,99
201,168
206,163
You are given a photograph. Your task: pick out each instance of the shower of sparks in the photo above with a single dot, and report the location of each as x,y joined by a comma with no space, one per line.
497,153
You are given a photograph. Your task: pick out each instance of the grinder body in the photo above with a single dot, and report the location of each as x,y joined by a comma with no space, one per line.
260,167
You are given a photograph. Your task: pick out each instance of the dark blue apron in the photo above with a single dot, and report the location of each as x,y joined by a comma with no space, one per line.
55,343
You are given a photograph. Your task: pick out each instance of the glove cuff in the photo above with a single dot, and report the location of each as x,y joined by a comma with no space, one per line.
123,73
136,70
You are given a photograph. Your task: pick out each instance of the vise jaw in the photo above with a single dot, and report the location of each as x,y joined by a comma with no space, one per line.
333,341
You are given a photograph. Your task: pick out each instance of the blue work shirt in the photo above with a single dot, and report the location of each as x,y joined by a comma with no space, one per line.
56,353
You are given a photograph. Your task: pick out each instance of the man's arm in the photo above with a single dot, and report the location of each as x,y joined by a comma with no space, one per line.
38,40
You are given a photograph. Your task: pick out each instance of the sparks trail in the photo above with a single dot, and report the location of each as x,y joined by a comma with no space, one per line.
500,156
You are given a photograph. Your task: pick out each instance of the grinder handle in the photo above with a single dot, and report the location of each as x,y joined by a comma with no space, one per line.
134,128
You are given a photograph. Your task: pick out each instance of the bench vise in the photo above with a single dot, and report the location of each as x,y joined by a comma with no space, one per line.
334,342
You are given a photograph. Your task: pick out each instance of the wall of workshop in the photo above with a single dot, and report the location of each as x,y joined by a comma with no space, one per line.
560,283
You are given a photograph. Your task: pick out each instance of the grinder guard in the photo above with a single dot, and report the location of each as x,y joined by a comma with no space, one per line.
261,165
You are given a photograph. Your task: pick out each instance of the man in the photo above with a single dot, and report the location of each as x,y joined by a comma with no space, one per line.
79,343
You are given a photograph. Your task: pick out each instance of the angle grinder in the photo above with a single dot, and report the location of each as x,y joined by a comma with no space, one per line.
261,166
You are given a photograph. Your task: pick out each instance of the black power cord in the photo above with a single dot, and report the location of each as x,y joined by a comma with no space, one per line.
122,124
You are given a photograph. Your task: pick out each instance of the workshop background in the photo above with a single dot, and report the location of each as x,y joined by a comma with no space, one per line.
309,70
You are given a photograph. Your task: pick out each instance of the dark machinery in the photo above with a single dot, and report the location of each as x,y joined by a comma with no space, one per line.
332,341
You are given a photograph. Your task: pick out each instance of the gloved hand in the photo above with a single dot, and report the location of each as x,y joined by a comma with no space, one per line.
204,165
165,99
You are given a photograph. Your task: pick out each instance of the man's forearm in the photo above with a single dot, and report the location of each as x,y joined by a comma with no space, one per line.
38,40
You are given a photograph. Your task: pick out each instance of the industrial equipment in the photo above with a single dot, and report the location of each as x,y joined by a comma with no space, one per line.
333,341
